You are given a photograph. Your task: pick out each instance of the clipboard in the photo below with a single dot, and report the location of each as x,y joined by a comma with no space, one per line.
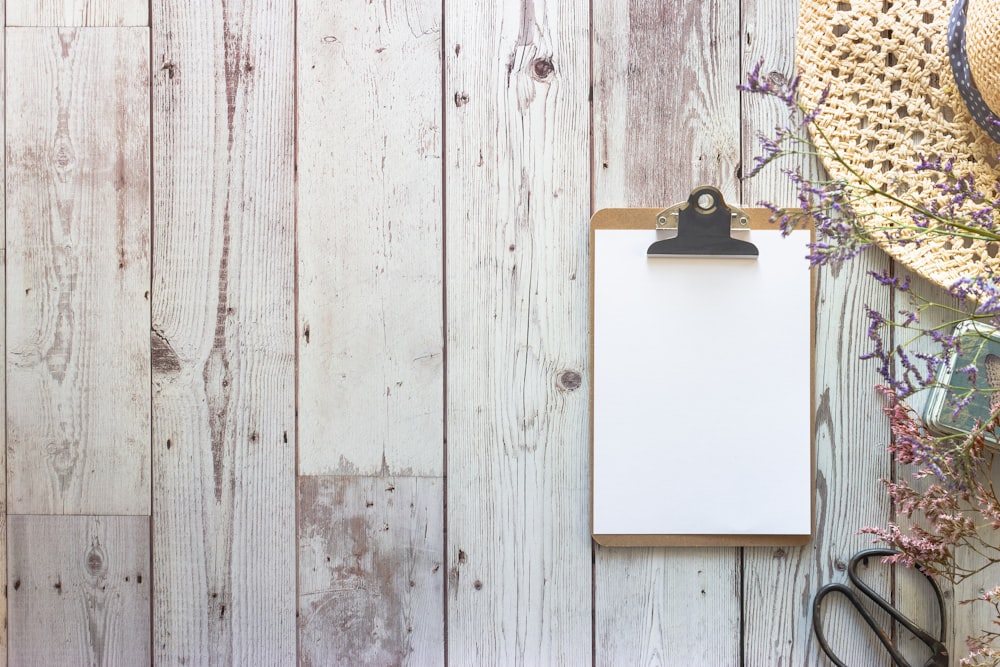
702,333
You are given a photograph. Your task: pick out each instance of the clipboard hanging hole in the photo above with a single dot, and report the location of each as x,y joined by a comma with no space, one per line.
706,203
668,218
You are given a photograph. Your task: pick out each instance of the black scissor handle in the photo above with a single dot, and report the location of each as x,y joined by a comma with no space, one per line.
919,633
880,634
939,652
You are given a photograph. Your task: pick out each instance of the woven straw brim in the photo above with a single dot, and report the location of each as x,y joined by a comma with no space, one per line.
893,100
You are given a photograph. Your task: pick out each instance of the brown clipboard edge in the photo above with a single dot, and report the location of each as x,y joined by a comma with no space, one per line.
645,218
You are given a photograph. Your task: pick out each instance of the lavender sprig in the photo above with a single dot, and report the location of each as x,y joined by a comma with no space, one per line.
951,503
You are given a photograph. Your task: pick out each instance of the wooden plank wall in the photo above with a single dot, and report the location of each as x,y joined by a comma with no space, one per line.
296,334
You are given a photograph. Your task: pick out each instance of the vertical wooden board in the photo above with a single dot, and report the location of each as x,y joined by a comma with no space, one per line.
519,565
666,607
78,234
666,107
780,584
369,229
223,333
963,620
666,119
851,459
967,615
79,590
3,355
768,40
66,13
371,571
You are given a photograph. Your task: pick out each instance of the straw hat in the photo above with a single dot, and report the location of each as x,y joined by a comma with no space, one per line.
894,98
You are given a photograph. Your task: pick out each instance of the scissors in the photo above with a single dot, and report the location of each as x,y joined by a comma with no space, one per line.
939,654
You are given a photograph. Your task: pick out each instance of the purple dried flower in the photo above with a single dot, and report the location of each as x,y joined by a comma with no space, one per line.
908,351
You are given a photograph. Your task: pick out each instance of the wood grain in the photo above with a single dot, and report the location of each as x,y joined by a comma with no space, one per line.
223,333
78,235
915,598
65,13
369,229
666,108
504,572
3,355
780,584
79,590
516,89
666,119
371,571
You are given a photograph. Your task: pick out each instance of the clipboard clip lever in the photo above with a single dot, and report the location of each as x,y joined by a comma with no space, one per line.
704,224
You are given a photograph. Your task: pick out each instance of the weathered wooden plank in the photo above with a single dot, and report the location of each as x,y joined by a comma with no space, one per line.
519,566
65,13
3,385
371,571
79,590
369,228
666,119
223,333
973,618
666,107
78,286
666,606
768,39
913,595
780,584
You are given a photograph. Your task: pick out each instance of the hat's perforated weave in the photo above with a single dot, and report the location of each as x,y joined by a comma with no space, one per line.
892,100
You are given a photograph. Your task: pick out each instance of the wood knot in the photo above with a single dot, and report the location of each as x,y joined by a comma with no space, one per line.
542,69
777,78
96,561
62,457
63,156
163,358
461,99
569,381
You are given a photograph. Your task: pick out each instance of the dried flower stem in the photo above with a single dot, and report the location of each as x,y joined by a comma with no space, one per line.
950,504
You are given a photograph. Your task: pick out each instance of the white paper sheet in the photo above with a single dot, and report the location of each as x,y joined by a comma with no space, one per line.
701,389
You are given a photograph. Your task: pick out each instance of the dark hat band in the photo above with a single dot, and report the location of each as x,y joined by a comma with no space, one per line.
980,112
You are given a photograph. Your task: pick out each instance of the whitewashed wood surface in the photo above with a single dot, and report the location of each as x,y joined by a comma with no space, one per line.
356,431
223,331
62,13
78,266
79,590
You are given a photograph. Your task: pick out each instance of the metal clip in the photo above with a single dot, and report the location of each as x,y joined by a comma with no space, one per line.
704,225
667,218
